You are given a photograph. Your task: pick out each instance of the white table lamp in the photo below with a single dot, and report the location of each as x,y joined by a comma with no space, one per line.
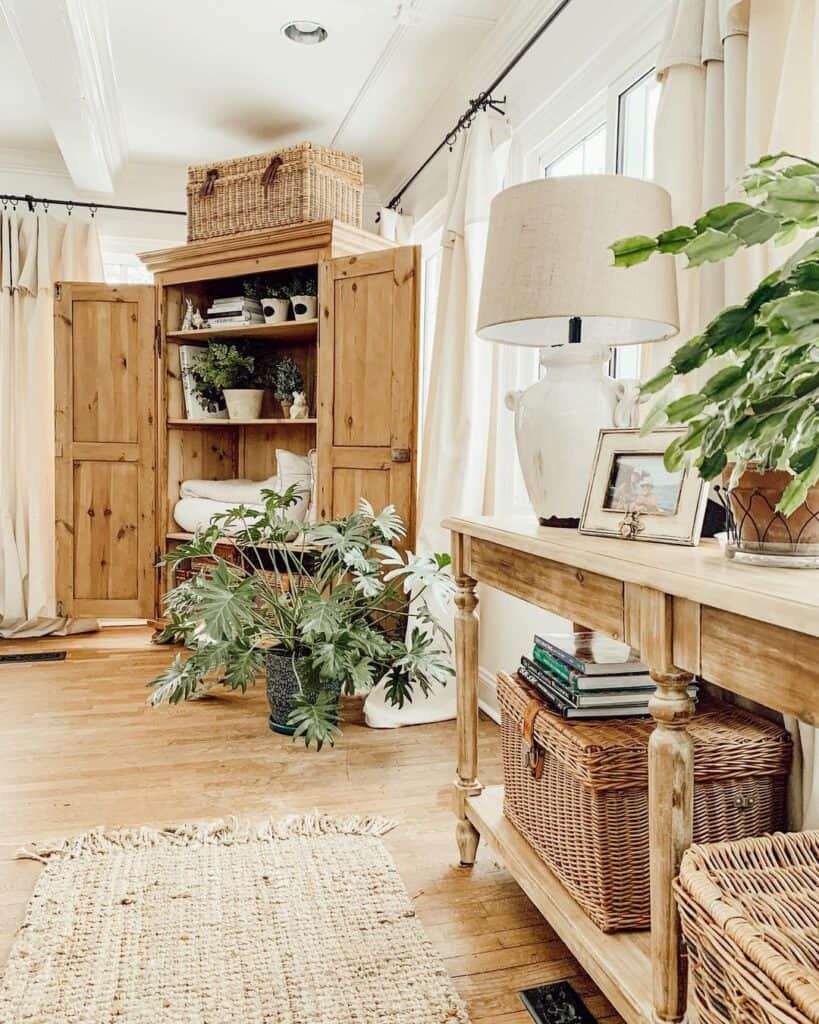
549,282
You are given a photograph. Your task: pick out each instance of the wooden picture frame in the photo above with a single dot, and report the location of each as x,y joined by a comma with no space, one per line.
633,496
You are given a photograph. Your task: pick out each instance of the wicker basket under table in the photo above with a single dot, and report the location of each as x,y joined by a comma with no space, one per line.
750,916
586,814
300,184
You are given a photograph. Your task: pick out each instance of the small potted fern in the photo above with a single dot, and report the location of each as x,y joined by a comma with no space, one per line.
754,424
286,378
328,615
303,295
228,371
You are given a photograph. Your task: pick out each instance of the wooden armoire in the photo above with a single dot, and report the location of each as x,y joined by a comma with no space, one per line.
124,446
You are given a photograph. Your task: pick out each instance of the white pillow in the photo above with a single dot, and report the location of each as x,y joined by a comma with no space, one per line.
300,470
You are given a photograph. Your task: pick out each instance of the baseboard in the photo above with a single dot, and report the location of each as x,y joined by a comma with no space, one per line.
488,694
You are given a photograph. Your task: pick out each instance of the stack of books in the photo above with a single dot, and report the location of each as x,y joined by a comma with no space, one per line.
589,675
234,311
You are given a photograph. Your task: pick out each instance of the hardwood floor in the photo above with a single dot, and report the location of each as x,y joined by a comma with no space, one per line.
78,748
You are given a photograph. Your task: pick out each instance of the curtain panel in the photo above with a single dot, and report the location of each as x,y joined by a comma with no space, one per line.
36,251
740,79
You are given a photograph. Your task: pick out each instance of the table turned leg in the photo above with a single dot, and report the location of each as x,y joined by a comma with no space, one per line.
671,803
466,681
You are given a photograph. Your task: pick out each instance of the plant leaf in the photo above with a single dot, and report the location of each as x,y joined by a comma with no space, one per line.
710,247
630,251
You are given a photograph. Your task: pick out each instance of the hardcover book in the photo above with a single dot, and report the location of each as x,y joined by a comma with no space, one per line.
606,699
592,653
583,683
565,709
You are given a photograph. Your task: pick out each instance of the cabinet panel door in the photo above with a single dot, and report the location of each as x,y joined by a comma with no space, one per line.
105,432
368,382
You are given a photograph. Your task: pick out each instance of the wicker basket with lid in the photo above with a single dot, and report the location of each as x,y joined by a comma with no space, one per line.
750,916
585,809
299,184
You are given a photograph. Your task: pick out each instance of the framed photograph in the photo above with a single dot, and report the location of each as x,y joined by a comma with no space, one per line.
632,495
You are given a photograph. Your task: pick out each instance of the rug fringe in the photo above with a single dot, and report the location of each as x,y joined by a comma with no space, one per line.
228,832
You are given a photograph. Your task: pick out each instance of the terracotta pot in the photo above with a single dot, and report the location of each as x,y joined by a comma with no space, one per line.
759,526
286,406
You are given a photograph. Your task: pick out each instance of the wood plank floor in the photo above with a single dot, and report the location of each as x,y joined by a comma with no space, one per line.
78,748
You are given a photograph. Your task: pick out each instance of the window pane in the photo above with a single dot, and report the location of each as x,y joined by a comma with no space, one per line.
638,113
586,157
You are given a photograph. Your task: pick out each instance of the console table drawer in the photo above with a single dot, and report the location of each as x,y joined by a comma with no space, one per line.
586,597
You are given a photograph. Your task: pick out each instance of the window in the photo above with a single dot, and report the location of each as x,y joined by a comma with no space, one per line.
588,156
120,269
636,117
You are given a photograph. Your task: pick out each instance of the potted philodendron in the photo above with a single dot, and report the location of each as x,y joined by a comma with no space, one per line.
226,370
755,421
327,615
286,380
303,295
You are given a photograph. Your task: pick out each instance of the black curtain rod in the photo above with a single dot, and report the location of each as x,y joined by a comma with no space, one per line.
31,202
480,102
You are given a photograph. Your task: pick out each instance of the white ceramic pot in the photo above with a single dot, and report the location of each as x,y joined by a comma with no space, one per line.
305,307
244,403
276,311
557,421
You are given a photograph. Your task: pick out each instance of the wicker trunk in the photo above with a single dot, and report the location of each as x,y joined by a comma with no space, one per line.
582,799
300,184
750,916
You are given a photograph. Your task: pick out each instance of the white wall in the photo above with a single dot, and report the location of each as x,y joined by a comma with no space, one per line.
565,76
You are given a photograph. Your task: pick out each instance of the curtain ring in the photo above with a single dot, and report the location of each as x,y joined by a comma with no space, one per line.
45,205
93,210
70,207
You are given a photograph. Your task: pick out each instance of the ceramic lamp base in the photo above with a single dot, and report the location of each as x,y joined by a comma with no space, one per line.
557,423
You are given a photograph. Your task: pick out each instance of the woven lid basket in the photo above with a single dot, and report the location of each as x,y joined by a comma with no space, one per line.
750,914
613,754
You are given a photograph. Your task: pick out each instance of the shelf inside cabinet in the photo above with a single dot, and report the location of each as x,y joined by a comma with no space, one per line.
287,332
221,424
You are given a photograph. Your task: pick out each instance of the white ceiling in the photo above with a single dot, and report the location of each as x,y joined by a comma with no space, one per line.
200,80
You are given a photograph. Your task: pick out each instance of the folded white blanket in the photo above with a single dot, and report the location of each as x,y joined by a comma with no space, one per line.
193,514
239,492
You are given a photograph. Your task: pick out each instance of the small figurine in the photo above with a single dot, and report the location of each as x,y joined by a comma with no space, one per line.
632,526
299,410
187,322
197,320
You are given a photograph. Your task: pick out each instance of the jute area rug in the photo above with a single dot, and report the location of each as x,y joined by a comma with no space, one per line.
301,921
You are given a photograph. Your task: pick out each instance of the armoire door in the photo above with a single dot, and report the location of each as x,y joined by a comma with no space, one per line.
105,433
368,382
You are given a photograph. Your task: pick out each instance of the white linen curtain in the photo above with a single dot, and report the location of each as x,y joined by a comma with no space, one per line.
395,226
740,79
457,453
36,250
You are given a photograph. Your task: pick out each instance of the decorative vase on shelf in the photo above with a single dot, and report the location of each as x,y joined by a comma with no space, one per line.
305,307
244,403
286,406
275,311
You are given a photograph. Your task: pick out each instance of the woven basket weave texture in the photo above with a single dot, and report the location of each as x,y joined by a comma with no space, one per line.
750,916
587,814
311,183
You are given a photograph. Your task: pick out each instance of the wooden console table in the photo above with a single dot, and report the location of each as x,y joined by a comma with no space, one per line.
690,611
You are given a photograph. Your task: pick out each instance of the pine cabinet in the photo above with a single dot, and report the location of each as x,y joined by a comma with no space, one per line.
124,444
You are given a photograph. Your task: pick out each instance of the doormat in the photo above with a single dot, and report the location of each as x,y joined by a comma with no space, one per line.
557,1003
297,920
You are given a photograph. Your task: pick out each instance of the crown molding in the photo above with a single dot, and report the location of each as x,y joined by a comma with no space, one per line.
43,163
67,46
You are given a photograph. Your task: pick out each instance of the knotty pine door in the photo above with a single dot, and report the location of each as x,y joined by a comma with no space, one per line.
368,382
105,432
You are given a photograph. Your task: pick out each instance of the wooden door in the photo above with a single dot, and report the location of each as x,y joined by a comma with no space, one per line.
105,427
368,382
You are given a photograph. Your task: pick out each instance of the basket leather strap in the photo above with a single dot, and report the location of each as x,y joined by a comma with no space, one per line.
533,753
271,171
209,182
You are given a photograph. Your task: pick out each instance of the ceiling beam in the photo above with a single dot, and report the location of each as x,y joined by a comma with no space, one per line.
67,46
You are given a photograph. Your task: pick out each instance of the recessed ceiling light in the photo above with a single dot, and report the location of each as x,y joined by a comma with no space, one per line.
306,32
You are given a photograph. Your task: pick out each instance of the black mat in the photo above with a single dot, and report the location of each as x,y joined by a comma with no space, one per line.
555,1004
32,656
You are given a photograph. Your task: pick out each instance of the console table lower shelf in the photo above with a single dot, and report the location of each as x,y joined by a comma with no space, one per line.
619,964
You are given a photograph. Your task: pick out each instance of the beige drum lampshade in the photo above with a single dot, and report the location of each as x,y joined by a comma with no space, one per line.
547,261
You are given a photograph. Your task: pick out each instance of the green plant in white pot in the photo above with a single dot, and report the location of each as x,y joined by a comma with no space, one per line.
226,370
303,295
755,422
329,614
